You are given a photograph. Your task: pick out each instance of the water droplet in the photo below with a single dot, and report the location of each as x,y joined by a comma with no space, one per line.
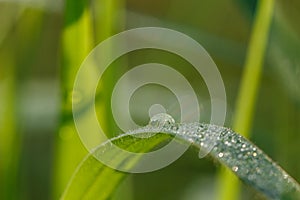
254,154
235,168
190,140
227,143
258,170
251,177
221,154
160,120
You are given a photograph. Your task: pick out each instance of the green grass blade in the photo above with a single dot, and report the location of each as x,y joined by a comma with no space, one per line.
229,186
77,41
9,142
93,180
106,14
86,24
15,57
253,68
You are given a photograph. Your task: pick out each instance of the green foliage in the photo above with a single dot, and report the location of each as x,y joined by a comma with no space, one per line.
83,29
39,154
77,41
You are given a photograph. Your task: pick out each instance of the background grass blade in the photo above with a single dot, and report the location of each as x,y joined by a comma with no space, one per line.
229,186
77,41
107,19
246,160
85,25
13,58
9,151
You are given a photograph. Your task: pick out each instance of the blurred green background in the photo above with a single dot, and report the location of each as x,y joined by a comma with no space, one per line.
43,43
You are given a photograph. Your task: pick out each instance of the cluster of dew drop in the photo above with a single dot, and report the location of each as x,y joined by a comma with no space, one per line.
252,165
245,159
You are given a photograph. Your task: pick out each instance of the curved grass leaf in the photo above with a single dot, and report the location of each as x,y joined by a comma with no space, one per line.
93,180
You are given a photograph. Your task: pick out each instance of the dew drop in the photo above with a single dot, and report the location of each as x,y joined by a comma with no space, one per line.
190,140
227,143
258,170
235,168
221,154
160,120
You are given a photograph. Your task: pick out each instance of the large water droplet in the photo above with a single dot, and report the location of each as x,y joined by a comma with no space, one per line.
157,123
161,120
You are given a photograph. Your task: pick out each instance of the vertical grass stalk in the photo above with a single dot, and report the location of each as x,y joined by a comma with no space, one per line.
76,44
9,142
245,105
105,15
108,19
85,25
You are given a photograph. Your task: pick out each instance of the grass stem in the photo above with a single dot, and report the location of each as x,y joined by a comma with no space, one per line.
245,105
